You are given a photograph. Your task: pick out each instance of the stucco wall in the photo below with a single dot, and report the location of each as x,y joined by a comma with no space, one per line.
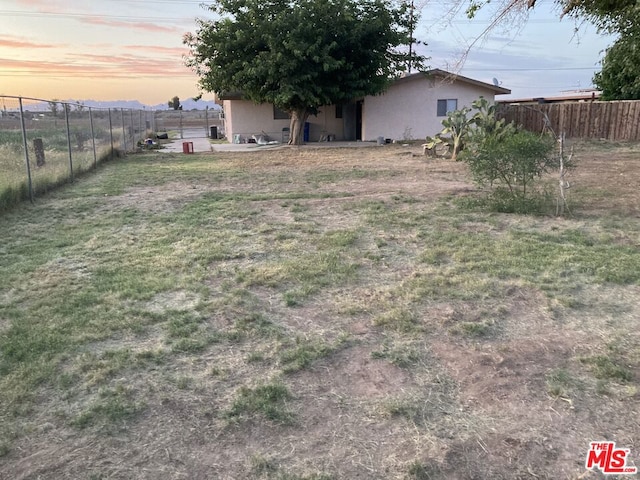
247,118
408,110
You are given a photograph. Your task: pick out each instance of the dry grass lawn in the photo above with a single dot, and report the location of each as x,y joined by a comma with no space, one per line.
317,314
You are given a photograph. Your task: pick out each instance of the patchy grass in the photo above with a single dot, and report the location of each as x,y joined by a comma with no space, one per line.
267,400
316,314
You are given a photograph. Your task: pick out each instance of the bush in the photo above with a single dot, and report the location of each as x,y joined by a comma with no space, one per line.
510,164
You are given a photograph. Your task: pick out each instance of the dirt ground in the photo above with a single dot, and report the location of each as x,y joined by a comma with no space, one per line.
381,401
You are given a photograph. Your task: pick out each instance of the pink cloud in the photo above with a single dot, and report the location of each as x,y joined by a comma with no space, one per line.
45,5
145,26
158,49
17,42
104,66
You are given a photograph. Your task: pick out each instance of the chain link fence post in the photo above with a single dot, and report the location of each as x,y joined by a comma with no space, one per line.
111,133
67,107
133,136
124,133
26,150
93,139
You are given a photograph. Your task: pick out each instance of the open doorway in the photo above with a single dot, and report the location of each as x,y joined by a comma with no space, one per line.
359,104
352,118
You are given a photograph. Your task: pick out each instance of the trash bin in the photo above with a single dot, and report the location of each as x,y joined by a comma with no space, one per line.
305,134
214,132
187,147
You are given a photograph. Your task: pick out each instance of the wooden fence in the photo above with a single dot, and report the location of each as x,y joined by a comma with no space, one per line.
617,120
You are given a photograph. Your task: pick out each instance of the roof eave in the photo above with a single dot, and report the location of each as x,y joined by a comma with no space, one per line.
443,74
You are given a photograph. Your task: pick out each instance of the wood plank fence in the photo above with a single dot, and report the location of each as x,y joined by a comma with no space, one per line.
616,120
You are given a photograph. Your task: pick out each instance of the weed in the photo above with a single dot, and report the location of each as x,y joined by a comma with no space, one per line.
255,357
261,465
268,400
183,382
403,355
303,353
191,345
257,325
340,238
606,368
400,318
560,382
420,471
311,476
473,329
5,448
113,405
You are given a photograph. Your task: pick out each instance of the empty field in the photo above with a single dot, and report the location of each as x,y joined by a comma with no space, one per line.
317,314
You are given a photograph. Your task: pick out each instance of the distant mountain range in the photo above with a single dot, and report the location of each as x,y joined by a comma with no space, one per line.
188,104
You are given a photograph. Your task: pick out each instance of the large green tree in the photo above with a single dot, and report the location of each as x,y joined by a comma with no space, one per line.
301,55
619,78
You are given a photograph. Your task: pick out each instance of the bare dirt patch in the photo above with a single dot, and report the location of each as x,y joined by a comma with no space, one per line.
158,199
353,373
179,300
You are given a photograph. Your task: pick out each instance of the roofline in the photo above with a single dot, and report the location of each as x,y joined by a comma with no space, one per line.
436,72
237,95
452,77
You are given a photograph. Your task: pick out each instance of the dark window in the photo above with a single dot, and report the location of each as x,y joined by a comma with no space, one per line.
338,111
447,106
280,114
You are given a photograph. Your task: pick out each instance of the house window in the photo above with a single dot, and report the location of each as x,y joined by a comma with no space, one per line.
280,114
447,106
338,111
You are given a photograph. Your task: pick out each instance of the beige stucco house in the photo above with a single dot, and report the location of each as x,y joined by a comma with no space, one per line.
411,108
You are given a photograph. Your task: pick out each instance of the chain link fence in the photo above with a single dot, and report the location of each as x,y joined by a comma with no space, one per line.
191,123
44,143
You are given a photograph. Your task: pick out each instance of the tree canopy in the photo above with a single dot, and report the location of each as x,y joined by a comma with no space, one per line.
175,103
301,55
613,16
619,78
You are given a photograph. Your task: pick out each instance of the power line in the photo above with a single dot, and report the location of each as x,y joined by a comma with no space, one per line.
21,13
24,13
528,69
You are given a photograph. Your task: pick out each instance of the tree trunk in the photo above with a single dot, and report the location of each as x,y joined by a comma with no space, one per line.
298,119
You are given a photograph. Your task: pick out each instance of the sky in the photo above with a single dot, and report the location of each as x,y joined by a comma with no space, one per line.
133,49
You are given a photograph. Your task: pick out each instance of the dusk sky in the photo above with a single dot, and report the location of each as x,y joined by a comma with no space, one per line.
132,49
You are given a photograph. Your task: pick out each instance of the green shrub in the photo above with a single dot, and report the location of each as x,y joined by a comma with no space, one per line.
510,164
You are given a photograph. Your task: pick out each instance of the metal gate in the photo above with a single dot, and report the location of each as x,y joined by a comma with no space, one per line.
190,124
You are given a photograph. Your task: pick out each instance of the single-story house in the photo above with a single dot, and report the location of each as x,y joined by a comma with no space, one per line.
411,108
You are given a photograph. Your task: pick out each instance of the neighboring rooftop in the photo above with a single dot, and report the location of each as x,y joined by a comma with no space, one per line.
587,95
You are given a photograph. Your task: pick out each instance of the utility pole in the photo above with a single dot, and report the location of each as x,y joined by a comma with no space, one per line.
411,26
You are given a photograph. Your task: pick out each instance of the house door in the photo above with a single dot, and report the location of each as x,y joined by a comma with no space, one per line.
349,119
359,120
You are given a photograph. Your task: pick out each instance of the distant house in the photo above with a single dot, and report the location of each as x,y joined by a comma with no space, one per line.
411,108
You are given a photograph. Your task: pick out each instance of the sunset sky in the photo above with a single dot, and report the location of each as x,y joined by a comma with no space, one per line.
133,50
